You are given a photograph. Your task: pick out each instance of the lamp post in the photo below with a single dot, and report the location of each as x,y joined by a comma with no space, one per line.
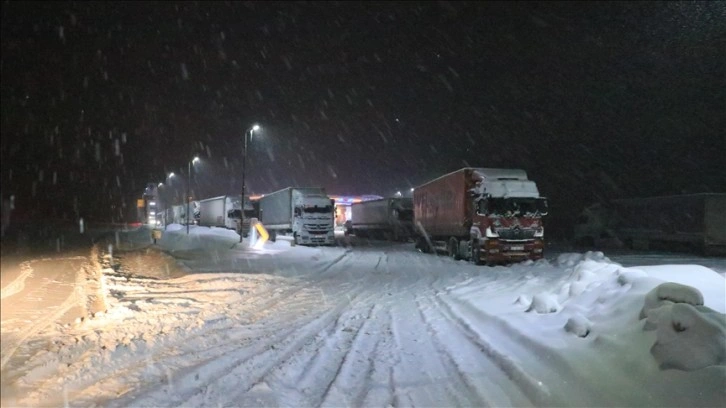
162,210
189,183
244,168
170,204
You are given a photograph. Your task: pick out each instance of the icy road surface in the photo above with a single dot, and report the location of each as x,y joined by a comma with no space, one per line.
369,325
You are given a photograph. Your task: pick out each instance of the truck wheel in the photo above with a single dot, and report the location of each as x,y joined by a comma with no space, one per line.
453,248
475,252
294,239
273,236
422,245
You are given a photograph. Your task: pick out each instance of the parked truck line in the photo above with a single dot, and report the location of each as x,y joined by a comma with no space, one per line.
696,222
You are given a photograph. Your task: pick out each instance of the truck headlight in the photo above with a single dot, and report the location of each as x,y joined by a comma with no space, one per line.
491,234
539,232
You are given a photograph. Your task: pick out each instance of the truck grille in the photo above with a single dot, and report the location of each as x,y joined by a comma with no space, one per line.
317,228
515,233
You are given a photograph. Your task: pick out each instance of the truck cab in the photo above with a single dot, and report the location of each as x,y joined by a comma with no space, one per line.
314,220
507,228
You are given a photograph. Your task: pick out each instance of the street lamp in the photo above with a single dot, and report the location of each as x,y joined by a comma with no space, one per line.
189,174
244,168
159,198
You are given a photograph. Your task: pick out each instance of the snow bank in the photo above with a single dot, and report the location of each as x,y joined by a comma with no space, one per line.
572,259
601,297
175,238
660,328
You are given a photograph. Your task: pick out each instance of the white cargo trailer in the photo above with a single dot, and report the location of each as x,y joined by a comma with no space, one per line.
220,212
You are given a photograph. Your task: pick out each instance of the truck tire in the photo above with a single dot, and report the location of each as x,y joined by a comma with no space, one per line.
422,245
273,236
475,252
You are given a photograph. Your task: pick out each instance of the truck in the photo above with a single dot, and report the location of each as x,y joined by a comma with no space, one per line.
691,222
306,213
386,218
485,215
222,212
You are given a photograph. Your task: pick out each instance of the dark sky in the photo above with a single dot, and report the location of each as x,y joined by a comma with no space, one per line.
594,100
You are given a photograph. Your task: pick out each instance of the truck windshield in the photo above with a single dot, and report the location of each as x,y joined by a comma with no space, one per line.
316,209
517,206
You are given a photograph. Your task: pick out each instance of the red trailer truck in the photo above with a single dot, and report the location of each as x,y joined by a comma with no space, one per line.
484,215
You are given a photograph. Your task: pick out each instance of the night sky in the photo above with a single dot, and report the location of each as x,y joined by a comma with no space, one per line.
594,100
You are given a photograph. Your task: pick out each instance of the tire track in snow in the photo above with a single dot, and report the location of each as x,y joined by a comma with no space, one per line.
167,351
354,375
18,284
532,388
424,380
9,348
479,372
77,298
524,345
344,346
239,371
335,261
312,366
473,396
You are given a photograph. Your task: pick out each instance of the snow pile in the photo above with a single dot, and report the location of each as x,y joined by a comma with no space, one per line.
175,238
669,293
544,303
572,259
689,335
578,325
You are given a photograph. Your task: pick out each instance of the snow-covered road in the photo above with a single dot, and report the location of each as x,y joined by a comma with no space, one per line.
368,325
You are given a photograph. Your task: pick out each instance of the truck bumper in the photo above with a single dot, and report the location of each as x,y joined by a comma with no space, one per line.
496,251
317,239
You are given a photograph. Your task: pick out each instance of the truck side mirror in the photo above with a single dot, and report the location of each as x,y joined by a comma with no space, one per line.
542,206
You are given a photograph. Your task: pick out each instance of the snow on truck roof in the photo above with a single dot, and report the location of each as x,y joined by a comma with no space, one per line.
513,174
500,182
214,198
501,174
509,188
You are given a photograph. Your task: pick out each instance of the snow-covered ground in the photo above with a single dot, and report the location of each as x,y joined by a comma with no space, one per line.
201,320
